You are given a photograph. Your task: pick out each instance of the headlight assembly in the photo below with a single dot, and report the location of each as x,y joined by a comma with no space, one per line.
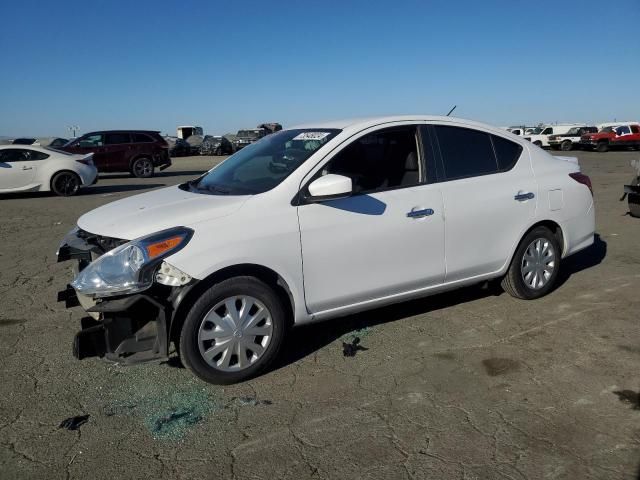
130,268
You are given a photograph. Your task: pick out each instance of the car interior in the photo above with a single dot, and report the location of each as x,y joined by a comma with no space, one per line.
386,159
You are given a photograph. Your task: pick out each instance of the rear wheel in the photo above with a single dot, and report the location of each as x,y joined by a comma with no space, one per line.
566,146
65,184
142,168
233,331
602,147
534,267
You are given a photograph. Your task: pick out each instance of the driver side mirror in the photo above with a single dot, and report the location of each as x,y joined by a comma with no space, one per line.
329,187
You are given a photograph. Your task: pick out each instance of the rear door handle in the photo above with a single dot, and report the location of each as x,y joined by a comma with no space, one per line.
426,212
524,196
27,168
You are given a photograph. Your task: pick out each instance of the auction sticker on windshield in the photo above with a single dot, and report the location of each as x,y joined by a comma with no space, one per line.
311,136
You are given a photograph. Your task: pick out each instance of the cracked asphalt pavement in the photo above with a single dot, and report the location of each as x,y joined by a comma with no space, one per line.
471,384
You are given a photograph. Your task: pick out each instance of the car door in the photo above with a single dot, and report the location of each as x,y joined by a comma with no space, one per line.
489,193
117,150
91,143
387,237
18,167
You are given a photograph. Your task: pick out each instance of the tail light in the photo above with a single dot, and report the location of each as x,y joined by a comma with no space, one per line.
86,161
583,179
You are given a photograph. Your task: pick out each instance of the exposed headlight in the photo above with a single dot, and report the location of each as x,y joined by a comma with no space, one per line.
130,268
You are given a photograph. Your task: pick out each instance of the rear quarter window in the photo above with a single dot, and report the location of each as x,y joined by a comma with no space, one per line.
507,152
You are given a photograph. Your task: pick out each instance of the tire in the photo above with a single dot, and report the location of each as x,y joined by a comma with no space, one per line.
538,143
218,152
211,312
634,204
142,167
566,146
65,184
516,282
602,147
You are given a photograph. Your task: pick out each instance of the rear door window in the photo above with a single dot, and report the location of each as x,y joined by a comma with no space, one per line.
116,138
465,152
142,138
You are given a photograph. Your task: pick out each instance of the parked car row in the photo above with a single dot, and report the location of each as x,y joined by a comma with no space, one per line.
567,136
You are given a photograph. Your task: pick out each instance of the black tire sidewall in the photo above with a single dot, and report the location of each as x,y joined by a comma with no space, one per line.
57,176
142,159
521,287
566,146
602,147
189,349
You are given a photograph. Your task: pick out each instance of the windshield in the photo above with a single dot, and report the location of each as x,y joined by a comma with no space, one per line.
264,164
606,130
534,131
574,131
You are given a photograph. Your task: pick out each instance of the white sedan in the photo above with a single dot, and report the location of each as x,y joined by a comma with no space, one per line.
318,222
29,168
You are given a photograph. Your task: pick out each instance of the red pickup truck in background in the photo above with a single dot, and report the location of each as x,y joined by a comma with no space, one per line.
624,136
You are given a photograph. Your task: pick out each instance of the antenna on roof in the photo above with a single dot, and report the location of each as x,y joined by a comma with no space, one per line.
454,107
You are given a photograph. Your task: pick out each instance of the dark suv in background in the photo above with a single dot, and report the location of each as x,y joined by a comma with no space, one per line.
138,152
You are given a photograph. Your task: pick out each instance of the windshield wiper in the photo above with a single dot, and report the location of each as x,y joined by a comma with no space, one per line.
218,189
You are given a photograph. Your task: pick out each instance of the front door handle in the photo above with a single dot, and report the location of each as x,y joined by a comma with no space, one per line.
426,212
524,196
27,168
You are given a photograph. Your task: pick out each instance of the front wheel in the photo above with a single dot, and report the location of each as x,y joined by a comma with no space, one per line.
538,143
602,147
65,184
233,331
566,146
142,168
535,265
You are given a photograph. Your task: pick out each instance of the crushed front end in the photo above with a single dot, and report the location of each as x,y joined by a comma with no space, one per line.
130,324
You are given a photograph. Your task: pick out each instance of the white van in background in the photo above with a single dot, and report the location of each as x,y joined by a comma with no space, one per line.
186,131
542,138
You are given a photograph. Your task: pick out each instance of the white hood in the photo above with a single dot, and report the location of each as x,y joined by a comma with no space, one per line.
151,212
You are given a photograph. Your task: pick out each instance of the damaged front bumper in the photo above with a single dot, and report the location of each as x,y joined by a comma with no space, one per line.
128,329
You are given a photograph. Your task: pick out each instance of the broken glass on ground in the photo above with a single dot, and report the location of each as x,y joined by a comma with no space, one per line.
350,349
74,423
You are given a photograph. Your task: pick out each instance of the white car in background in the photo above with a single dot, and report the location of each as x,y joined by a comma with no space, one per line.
542,139
318,222
30,168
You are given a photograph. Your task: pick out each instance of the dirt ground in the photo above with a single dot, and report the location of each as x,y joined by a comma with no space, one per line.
470,384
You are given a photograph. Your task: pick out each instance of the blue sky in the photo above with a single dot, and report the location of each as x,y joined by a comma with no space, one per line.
227,65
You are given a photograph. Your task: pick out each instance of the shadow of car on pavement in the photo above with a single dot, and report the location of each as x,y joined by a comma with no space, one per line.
307,339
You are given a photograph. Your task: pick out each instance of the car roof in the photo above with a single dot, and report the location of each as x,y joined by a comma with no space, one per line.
121,131
37,148
367,122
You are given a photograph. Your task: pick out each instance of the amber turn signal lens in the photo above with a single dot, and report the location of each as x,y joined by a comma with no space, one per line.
158,248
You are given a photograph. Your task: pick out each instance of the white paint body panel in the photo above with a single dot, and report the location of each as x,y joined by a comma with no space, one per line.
348,255
36,175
